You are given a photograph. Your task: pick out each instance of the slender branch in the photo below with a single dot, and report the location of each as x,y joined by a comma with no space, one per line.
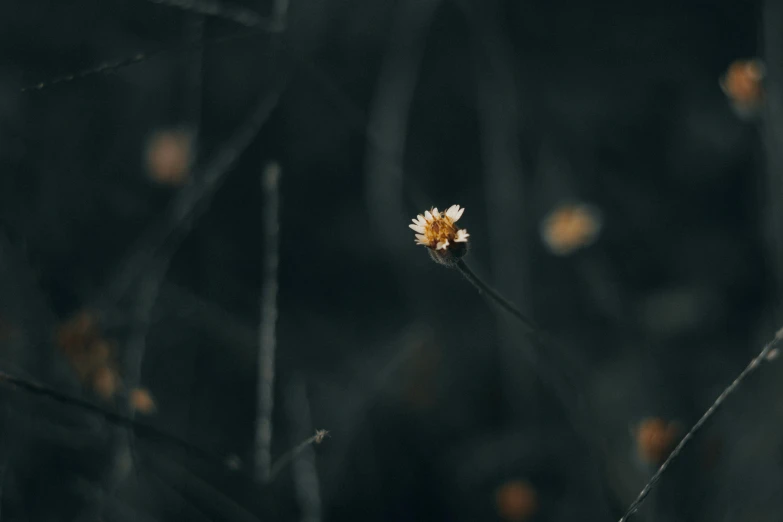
292,453
267,335
147,294
308,490
201,494
498,299
233,13
191,201
110,66
280,15
115,418
754,364
103,67
388,117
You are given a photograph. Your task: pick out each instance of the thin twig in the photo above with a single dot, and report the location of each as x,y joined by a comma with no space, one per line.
497,107
161,485
124,444
292,454
201,494
103,67
754,364
237,335
147,294
308,489
233,13
280,14
387,121
267,325
191,201
113,417
111,66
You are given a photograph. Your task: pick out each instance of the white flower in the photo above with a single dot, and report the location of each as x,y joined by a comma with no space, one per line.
437,231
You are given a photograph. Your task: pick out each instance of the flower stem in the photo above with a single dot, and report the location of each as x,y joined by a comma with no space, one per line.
754,364
553,374
495,296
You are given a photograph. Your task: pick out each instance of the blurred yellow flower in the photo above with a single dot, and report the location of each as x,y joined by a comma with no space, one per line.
570,227
743,85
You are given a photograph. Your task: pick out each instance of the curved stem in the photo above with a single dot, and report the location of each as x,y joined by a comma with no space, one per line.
495,296
574,404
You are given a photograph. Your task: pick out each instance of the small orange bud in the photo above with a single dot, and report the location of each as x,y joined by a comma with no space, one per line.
80,340
105,382
169,156
76,332
743,85
655,439
141,400
516,500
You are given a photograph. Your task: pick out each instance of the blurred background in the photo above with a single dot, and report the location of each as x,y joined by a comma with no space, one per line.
188,185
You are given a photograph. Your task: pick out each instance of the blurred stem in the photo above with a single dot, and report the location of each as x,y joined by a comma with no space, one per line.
388,118
498,299
139,428
294,452
754,364
267,325
559,378
233,13
164,237
308,489
201,494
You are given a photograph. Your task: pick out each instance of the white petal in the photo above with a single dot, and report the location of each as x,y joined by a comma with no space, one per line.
418,228
459,213
428,216
452,212
435,213
421,237
462,236
442,245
